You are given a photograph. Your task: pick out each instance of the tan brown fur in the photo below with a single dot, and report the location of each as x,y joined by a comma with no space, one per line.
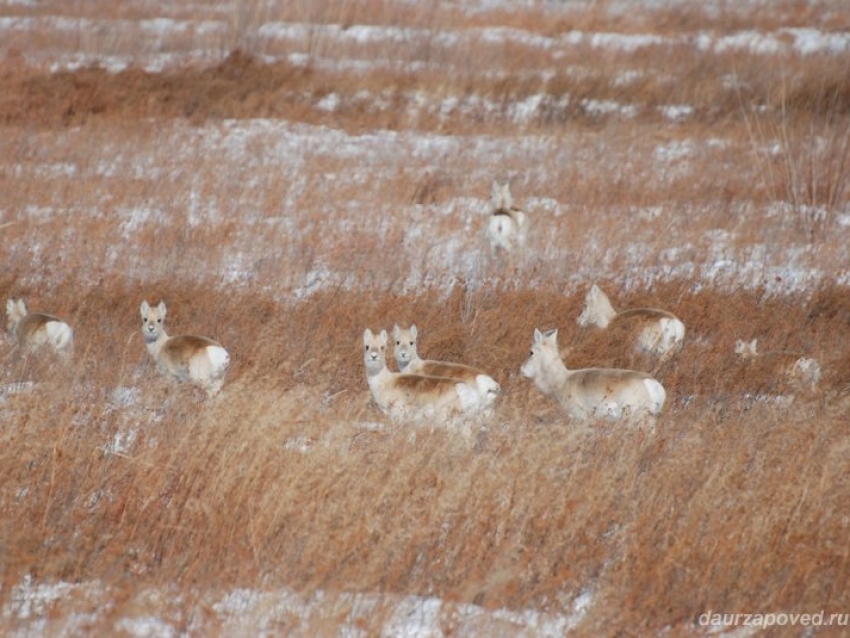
799,371
408,361
652,330
201,360
418,397
591,392
36,330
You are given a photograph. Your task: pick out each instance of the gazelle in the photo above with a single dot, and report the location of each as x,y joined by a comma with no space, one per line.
507,227
185,357
657,332
802,371
417,396
34,330
591,392
409,361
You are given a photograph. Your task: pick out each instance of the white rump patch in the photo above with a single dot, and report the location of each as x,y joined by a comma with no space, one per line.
219,357
60,334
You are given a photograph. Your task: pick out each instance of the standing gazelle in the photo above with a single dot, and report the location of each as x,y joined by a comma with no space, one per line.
803,372
34,330
409,361
508,225
186,357
591,392
417,396
656,332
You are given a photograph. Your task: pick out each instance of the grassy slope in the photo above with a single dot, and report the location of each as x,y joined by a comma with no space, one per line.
734,504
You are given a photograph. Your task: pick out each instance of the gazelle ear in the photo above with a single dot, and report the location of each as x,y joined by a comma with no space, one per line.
593,293
145,309
495,195
413,331
507,199
537,335
367,336
552,334
22,308
383,337
162,309
396,332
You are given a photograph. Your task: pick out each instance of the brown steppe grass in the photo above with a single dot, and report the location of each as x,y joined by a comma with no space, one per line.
736,502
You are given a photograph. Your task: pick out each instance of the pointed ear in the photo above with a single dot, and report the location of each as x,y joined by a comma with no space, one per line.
593,292
507,199
145,309
162,309
367,336
10,305
396,332
383,337
537,335
22,307
413,331
552,334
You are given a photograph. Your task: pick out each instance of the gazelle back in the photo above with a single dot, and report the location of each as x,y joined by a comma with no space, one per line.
185,357
656,332
591,392
507,227
34,330
409,361
801,371
418,397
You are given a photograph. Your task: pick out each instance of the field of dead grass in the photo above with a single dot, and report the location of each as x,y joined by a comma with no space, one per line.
119,187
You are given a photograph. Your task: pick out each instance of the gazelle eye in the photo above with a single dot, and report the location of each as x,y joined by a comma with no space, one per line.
411,343
398,343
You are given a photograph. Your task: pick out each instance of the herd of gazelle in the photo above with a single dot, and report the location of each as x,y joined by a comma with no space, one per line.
427,390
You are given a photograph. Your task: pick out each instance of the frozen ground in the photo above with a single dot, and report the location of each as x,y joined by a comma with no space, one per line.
49,609
359,165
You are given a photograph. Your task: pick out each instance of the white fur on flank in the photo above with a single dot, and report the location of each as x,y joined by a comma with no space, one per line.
186,357
661,333
34,330
805,372
408,360
507,227
591,392
417,397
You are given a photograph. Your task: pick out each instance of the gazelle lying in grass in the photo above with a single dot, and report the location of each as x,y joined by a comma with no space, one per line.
417,396
34,330
591,392
656,332
409,361
804,372
507,227
186,357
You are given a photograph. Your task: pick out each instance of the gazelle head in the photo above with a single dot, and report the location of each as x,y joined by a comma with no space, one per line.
747,349
405,345
153,321
544,349
501,198
15,311
597,310
374,351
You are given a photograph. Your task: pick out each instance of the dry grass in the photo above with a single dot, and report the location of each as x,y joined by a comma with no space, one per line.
110,473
